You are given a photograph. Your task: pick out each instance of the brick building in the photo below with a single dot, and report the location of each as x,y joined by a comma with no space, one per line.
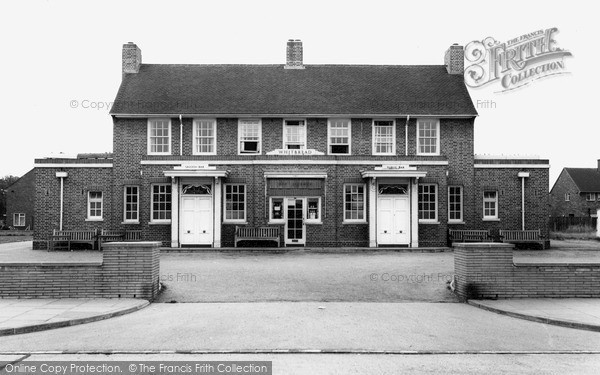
576,192
20,197
333,155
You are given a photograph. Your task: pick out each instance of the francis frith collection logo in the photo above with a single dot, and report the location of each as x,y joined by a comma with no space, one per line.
514,63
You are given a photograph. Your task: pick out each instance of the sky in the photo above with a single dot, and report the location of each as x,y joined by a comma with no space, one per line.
61,63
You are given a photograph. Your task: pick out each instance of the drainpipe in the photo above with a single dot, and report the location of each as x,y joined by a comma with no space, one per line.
523,176
62,176
180,135
406,136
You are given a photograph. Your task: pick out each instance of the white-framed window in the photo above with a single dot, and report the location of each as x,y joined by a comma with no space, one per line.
339,133
131,204
235,203
567,197
455,204
294,134
205,137
160,203
313,210
249,137
354,203
159,137
95,205
428,137
490,205
590,197
384,137
276,210
18,220
428,202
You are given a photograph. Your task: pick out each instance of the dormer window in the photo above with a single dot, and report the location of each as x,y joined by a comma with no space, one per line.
294,134
249,132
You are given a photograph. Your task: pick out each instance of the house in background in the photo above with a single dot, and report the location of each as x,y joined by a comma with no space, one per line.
330,155
576,192
20,197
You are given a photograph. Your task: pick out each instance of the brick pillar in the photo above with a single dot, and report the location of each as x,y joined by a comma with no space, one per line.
482,269
131,269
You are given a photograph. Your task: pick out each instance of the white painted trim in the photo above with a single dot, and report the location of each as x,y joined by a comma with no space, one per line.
497,206
291,115
329,135
195,127
437,204
437,146
75,165
151,200
196,173
365,191
239,137
130,221
392,173
224,204
513,166
506,157
393,138
295,175
175,219
283,132
148,146
299,162
217,211
89,207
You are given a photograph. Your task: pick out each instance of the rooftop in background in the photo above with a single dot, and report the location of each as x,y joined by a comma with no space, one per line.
586,179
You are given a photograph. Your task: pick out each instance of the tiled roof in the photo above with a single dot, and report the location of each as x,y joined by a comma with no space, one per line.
273,90
586,179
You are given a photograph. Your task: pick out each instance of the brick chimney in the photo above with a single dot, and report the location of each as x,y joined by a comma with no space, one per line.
599,171
294,54
454,59
132,58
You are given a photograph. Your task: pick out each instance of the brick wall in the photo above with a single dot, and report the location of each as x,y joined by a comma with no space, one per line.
487,271
577,205
128,270
20,197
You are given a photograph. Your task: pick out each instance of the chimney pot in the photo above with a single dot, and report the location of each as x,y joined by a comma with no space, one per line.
132,58
294,54
454,59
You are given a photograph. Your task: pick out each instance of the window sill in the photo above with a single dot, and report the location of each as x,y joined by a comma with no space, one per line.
159,153
455,222
163,222
235,222
130,222
88,219
428,222
313,222
490,219
354,222
280,222
428,154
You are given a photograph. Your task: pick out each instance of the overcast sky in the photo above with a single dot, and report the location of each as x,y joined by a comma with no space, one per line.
56,52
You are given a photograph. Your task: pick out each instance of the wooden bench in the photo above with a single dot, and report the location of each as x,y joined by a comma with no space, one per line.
108,235
522,236
256,234
62,239
469,235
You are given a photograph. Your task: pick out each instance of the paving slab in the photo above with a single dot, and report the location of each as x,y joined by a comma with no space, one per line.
23,315
580,313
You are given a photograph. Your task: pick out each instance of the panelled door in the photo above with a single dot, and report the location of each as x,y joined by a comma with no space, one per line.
393,220
295,228
196,225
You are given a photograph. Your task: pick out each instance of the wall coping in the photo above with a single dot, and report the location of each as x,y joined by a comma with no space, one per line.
485,245
133,244
579,265
49,264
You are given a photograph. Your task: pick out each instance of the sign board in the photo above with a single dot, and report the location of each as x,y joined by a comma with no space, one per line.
303,152
396,167
195,167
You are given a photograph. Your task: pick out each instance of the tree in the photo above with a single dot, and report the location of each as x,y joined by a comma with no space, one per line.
5,182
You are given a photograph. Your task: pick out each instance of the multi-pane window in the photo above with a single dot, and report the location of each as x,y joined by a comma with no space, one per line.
294,134
490,204
313,210
159,136
94,205
276,211
428,137
384,137
354,202
161,202
339,136
249,136
590,197
567,197
235,202
131,202
205,136
428,202
455,205
19,220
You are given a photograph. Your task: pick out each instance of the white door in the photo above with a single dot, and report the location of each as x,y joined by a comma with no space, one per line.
295,229
196,227
393,220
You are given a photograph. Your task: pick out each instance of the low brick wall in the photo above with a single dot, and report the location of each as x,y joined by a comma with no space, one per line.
128,270
487,270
